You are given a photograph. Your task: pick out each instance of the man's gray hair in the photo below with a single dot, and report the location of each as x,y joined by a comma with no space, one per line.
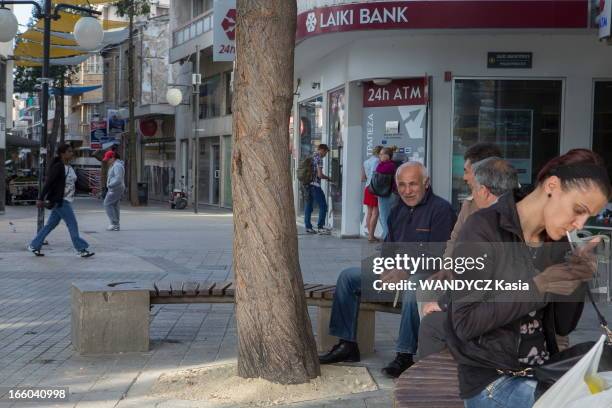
420,165
496,174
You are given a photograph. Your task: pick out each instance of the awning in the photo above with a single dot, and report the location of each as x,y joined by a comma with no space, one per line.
67,21
75,90
18,141
37,62
35,50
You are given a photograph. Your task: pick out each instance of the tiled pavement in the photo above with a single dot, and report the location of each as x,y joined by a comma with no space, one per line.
155,243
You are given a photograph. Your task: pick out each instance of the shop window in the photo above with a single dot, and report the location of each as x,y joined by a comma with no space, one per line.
602,122
211,92
521,116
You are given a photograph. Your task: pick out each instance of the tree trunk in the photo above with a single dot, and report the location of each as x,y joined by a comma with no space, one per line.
132,161
275,339
62,113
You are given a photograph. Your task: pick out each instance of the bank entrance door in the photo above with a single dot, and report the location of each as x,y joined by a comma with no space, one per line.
335,163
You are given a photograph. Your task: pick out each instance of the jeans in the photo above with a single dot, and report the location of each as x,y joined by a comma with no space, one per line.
505,392
111,206
432,334
66,213
345,311
315,193
384,208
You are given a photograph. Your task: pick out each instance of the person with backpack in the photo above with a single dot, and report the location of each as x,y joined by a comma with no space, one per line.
383,185
310,174
58,195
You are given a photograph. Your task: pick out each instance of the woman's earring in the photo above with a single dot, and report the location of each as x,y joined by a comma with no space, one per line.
549,195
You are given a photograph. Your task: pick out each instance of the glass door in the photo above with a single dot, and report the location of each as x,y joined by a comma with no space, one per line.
335,164
215,184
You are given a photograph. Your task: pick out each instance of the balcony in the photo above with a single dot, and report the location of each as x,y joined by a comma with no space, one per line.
196,32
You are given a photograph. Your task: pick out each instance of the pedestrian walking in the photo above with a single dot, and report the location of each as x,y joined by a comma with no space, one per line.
115,187
369,199
315,193
58,195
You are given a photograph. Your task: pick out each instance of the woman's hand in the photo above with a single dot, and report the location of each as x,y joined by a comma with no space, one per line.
40,204
565,278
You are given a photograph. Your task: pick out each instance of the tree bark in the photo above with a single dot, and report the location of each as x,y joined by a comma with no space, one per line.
132,161
62,136
275,339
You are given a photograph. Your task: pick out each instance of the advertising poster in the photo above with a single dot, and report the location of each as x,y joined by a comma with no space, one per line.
224,30
99,134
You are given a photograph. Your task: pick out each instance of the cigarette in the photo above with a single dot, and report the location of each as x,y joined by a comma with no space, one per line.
569,239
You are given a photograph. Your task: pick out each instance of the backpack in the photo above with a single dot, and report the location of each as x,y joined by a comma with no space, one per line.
305,172
381,185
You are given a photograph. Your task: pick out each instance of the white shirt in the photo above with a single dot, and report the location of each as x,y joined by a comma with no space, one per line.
369,166
71,179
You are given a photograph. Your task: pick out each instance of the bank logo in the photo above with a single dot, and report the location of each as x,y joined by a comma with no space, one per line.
229,24
311,22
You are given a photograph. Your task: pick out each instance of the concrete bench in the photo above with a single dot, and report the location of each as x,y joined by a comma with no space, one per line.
430,383
114,317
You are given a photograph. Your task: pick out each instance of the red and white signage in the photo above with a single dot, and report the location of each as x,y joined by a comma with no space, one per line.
224,30
444,14
401,92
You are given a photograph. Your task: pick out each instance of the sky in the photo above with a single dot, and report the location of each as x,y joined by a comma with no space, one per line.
23,14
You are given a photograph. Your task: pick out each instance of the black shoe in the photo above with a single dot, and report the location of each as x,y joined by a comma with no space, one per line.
402,362
85,253
310,231
35,251
344,351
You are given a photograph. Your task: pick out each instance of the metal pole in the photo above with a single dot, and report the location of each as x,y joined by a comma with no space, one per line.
42,163
196,139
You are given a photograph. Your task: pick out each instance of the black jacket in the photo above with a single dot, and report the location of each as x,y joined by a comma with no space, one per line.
483,326
53,189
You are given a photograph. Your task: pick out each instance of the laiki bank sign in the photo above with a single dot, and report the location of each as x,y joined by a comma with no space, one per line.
442,15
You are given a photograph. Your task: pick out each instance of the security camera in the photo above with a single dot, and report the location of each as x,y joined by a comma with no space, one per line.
316,85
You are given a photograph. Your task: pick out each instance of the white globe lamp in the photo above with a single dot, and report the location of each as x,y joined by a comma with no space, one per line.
8,25
88,33
174,96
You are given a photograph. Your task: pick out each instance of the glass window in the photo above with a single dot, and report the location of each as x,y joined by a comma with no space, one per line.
210,97
521,116
229,93
2,81
602,122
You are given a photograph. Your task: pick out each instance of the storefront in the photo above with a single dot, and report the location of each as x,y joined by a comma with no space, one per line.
433,78
158,156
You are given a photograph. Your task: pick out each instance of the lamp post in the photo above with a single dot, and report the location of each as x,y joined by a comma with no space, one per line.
88,34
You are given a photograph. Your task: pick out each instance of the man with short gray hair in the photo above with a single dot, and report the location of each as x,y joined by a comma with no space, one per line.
493,177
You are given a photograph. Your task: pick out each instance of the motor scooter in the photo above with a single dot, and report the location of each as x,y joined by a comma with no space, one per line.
178,196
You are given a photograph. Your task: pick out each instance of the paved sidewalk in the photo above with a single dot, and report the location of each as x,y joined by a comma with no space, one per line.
154,243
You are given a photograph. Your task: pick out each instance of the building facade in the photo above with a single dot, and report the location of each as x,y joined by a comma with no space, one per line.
191,26
435,77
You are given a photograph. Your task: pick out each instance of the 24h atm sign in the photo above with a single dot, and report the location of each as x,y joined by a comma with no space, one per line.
442,14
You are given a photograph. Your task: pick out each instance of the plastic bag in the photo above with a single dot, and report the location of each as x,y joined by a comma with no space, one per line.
571,391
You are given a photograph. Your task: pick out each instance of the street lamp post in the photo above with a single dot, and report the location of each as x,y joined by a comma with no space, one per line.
86,34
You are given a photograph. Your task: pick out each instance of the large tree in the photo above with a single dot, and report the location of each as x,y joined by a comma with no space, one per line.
131,9
275,339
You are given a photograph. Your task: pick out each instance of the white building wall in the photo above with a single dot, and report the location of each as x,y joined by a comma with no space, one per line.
576,57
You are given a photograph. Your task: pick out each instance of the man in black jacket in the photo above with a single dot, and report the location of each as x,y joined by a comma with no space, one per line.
58,194
419,217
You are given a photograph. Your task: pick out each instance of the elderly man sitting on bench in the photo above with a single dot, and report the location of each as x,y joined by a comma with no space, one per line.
420,216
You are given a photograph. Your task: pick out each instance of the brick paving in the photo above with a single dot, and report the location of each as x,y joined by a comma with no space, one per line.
155,243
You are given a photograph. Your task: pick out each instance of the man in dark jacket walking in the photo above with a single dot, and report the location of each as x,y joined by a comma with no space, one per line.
58,195
419,217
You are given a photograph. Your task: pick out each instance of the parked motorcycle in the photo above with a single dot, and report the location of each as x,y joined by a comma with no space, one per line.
178,196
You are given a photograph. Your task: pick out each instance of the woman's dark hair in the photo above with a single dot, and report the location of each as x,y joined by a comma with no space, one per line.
578,168
63,148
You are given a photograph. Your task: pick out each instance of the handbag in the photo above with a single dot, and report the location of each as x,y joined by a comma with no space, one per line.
381,184
560,363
